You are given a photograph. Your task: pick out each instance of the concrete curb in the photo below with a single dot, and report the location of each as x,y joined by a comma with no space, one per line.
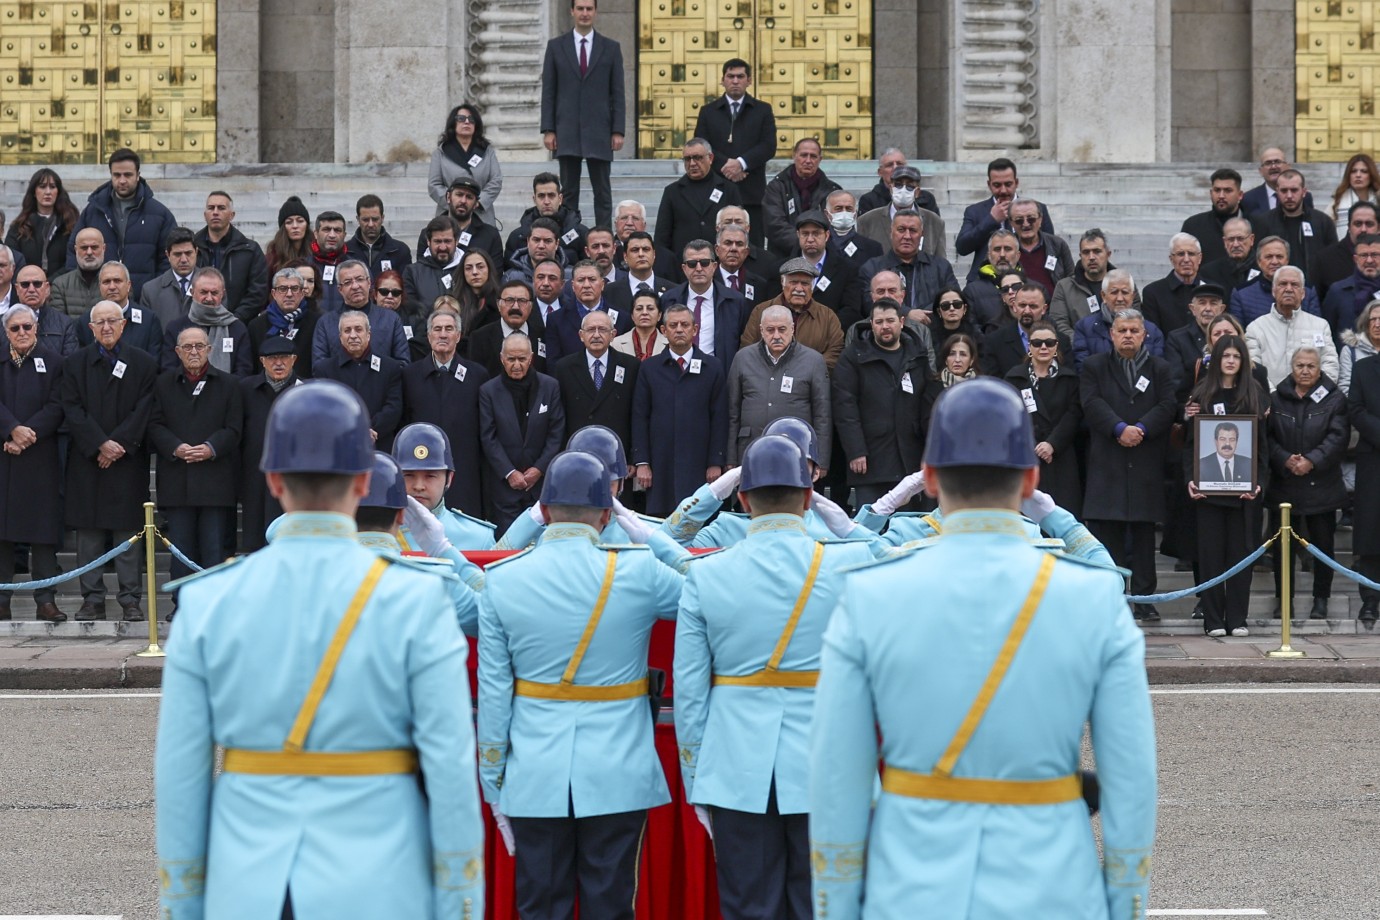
129,673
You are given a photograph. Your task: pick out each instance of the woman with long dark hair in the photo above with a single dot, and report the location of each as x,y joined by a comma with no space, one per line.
952,315
1360,182
1049,387
46,217
1228,523
463,150
477,292
292,242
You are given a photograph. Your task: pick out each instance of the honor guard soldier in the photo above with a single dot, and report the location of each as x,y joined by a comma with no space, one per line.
423,453
748,638
381,514
565,726
1009,652
331,677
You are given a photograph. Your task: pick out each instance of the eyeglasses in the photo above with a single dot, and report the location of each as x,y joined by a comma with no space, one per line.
287,288
463,119
698,263
193,349
30,284
952,305
21,327
390,292
1044,343
1024,221
107,322
514,301
1009,288
694,157
1274,163
1183,254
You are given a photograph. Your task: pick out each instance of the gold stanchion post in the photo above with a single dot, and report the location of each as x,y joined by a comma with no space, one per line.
153,651
1286,590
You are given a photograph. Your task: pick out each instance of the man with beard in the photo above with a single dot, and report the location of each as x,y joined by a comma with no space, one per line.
1009,345
134,224
220,245
1263,197
227,337
1077,295
548,202
327,254
1208,226
142,329
1307,230
56,330
798,188
436,273
542,243
470,231
75,292
259,508
515,300
690,205
993,212
985,305
371,243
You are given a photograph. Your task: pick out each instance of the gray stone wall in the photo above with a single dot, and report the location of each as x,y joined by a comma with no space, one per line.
910,77
297,81
1211,83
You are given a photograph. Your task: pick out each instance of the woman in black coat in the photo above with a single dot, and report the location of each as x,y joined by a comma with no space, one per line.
952,316
46,218
1049,387
1308,434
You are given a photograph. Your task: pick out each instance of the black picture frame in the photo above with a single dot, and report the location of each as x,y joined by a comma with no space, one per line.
1208,475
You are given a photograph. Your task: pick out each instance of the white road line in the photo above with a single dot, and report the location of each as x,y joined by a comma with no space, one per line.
59,695
1246,691
1194,912
62,917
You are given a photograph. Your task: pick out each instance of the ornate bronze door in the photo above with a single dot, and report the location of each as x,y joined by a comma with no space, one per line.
1338,69
81,79
811,60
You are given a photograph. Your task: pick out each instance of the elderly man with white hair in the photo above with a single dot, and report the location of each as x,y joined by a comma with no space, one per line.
1165,302
1274,337
775,378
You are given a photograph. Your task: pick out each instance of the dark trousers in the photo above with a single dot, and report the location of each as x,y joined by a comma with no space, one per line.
1132,546
1226,534
91,544
868,494
1368,566
763,863
1318,529
198,532
596,857
599,183
42,564
506,503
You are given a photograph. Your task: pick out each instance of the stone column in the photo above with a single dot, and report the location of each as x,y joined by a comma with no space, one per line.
237,81
1273,76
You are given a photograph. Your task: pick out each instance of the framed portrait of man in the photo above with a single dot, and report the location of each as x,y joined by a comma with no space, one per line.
1224,454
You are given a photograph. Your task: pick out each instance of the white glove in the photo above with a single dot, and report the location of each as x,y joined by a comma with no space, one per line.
833,516
724,487
505,830
901,493
425,527
534,513
703,814
637,530
1038,506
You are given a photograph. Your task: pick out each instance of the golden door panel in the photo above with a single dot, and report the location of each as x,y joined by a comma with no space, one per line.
1337,66
811,60
80,79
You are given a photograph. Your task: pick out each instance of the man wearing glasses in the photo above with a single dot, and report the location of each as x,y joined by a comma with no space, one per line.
718,310
56,330
1044,256
1262,198
1011,343
515,314
107,398
690,205
288,317
980,219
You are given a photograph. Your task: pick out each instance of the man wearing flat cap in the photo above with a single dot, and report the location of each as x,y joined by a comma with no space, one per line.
816,326
472,233
277,361
837,285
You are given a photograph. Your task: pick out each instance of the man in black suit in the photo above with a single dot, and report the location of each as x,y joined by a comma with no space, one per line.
515,301
376,378
582,107
741,130
690,205
597,382
837,285
731,250
842,210
719,312
1009,345
979,220
1207,227
278,358
141,329
563,326
1308,231
757,261
443,389
1263,198
640,252
521,429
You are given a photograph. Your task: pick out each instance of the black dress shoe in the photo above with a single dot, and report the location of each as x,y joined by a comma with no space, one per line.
1183,565
5,612
1278,612
49,613
132,613
90,612
1197,611
1319,611
1147,613
1370,612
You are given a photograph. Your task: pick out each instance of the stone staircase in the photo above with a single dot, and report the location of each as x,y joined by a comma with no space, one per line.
1138,205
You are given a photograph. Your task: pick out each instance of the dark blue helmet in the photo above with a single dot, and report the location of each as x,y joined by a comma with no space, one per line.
980,422
774,460
387,489
799,431
423,446
319,427
577,477
604,444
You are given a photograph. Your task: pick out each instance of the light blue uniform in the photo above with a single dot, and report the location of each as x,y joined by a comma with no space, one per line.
1074,538
248,641
524,531
686,525
906,664
734,740
464,597
537,756
463,532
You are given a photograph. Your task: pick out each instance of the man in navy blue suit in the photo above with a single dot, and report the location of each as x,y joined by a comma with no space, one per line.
979,220
720,312
563,325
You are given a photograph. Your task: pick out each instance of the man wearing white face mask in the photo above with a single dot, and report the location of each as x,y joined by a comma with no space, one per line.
905,186
844,237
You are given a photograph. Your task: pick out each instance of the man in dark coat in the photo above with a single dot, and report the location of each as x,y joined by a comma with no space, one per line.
56,330
640,253
195,430
1262,198
389,337
372,244
257,395
680,416
515,314
690,205
289,316
1009,344
994,211
879,196
1165,301
521,429
30,487
548,201
720,312
878,388
134,224
1337,262
841,209
735,268
1208,226
107,396
563,326
582,107
1238,266
141,330
376,378
742,132
838,286
1128,402
443,389
1363,409
1307,230
239,259
470,231
798,188
924,274
1348,297
597,383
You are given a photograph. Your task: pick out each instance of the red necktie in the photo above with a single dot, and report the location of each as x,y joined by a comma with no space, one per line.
733,280
681,362
699,305
584,57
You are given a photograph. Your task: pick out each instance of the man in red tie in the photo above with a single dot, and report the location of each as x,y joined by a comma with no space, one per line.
718,310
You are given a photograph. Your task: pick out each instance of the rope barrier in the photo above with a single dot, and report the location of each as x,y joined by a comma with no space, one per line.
1210,583
121,547
178,554
1336,566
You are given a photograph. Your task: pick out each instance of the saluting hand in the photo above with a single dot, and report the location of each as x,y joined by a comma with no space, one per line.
637,530
833,516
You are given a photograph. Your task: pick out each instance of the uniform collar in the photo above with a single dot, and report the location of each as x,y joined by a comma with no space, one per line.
776,523
374,539
570,531
984,520
315,524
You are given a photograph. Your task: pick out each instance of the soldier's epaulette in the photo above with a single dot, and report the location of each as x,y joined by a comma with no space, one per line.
1089,563
1048,543
506,559
469,517
904,551
647,518
830,541
185,579
620,547
429,564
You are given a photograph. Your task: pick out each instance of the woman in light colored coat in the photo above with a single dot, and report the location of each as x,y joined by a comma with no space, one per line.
462,150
